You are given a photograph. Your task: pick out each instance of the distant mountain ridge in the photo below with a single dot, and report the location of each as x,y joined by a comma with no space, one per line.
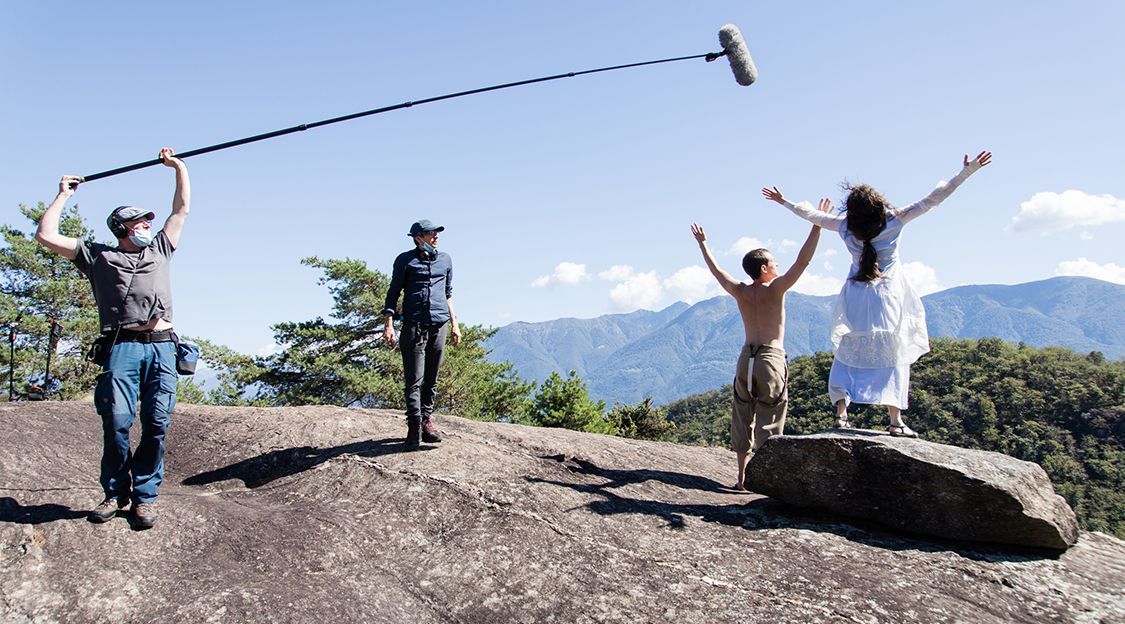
684,350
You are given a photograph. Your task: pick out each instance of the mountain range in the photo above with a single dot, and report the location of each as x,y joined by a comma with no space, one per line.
684,350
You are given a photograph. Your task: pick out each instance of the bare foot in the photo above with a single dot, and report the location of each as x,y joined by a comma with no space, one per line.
739,487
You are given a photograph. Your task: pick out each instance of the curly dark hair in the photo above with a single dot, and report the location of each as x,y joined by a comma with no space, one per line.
867,216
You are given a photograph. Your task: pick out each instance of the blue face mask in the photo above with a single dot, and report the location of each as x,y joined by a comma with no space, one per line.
430,249
141,238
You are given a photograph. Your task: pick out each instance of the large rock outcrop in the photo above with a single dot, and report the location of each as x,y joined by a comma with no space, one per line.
918,486
310,514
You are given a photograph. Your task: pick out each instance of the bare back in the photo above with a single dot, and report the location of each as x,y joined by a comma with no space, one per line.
762,302
763,313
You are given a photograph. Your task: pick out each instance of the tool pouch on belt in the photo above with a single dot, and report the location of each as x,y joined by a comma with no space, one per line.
187,355
99,351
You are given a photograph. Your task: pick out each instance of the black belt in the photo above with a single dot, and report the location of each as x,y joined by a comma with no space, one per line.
425,326
144,337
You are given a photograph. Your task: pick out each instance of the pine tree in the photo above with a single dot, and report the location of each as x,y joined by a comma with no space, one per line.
36,287
566,403
640,422
345,361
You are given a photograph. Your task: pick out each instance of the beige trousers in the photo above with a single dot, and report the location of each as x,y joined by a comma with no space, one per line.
761,397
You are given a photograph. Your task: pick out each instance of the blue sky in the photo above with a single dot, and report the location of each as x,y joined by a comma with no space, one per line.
572,197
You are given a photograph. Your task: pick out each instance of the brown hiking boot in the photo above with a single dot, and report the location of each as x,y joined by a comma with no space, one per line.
144,514
429,434
413,431
106,510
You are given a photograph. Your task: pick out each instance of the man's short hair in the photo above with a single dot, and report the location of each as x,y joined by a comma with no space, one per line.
753,262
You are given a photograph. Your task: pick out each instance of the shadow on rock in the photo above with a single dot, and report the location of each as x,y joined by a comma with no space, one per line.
614,504
12,511
767,513
258,471
625,477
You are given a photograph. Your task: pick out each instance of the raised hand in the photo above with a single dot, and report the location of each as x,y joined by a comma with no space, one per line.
698,232
774,195
68,184
169,157
983,158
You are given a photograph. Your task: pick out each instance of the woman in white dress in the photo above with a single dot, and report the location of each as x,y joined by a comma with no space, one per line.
878,323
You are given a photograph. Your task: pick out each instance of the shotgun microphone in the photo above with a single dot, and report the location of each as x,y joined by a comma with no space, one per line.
735,49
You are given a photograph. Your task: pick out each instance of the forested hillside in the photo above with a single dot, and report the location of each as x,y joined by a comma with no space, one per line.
1053,406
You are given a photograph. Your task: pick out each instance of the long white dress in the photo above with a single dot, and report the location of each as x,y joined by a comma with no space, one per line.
878,327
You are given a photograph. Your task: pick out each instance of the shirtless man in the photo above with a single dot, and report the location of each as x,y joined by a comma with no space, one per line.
761,382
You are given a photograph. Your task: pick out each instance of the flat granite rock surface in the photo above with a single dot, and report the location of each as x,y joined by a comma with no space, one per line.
304,514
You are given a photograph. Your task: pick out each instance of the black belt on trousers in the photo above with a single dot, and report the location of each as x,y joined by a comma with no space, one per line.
146,337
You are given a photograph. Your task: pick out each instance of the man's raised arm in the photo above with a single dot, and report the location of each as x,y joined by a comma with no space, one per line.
785,282
181,201
728,283
48,232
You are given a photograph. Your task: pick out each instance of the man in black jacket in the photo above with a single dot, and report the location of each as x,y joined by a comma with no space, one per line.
424,277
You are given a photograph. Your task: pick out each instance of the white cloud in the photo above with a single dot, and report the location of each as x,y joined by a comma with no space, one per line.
692,284
743,245
640,290
619,273
566,273
1110,272
923,278
1087,236
272,349
748,243
644,290
827,253
817,285
1051,212
784,246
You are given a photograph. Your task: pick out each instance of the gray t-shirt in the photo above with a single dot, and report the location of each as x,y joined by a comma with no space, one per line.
110,271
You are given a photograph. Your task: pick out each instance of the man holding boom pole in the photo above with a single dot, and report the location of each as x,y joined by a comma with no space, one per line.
137,349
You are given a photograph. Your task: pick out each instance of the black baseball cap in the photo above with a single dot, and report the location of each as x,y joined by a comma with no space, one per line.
425,225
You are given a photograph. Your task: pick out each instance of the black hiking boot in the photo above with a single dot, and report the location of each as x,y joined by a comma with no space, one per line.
413,433
429,434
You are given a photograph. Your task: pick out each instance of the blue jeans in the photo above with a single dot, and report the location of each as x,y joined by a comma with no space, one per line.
423,349
135,371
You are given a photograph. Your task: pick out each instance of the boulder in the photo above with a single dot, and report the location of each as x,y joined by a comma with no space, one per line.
917,486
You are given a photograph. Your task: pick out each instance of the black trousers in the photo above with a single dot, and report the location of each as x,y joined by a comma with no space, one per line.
423,348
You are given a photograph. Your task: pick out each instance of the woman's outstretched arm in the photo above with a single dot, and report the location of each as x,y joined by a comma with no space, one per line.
806,211
945,189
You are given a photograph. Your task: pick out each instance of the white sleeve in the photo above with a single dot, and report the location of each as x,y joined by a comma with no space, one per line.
944,189
825,220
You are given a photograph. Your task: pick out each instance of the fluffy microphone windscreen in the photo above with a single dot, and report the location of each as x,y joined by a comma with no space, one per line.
740,62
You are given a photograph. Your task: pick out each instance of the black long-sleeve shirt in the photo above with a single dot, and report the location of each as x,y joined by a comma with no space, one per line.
426,285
